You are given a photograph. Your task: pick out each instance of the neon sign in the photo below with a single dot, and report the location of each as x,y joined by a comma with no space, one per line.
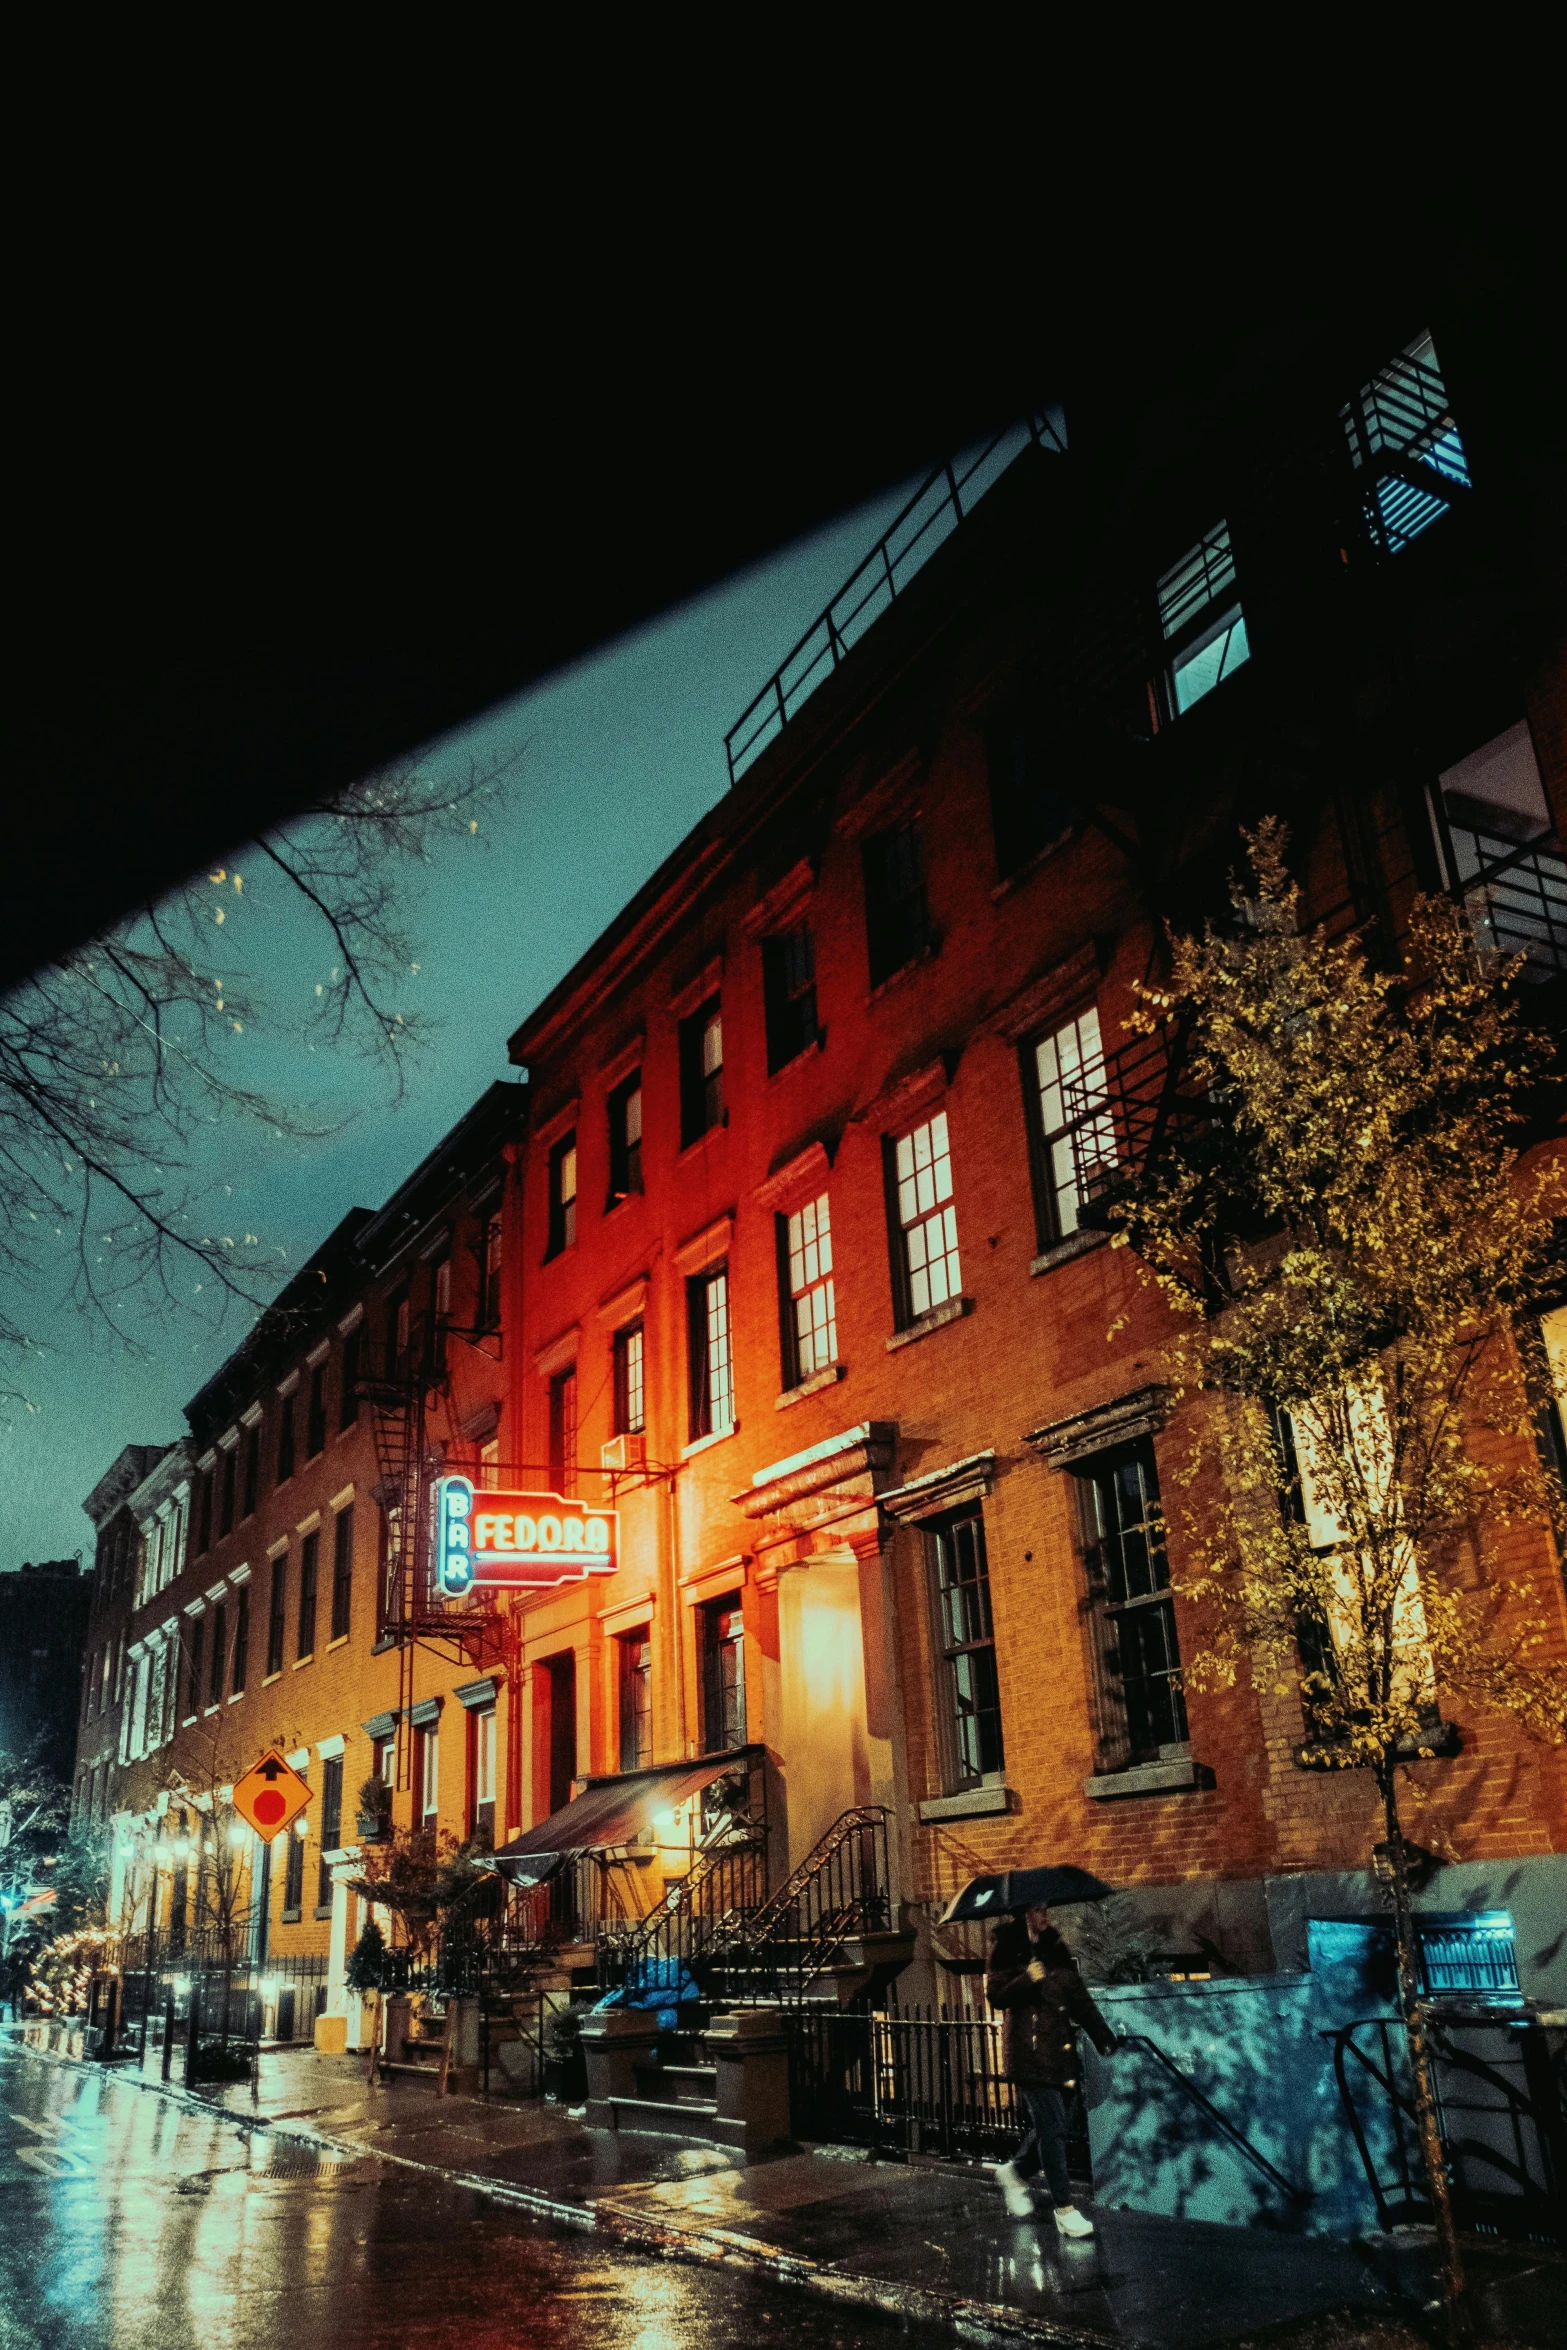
518,1541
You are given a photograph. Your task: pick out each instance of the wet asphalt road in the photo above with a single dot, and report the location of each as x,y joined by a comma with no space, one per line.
128,2223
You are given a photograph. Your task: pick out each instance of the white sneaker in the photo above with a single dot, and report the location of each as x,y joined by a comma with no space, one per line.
1014,2190
1071,2222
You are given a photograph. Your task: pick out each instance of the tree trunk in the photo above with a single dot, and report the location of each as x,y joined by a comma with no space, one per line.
1426,2120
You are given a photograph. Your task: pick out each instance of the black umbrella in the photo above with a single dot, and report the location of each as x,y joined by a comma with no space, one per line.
993,1897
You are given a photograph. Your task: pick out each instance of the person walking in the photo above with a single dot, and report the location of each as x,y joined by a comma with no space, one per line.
1033,1979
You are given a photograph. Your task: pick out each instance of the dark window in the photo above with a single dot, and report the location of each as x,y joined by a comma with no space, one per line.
285,1439
278,1615
481,1775
636,1701
897,919
490,1272
789,993
331,1826
226,1520
315,1419
1140,1663
441,1290
971,1701
925,1266
563,1195
399,1329
1201,621
701,1072
206,1510
563,1431
342,1572
1027,812
1073,1129
198,1636
630,1392
625,1138
241,1641
220,1630
348,1394
723,1675
252,1469
708,1353
309,1562
294,1870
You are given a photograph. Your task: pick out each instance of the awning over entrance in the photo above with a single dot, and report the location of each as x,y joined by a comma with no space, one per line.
612,1811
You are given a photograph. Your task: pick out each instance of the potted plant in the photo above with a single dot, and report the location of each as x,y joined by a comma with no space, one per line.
375,1811
367,1969
565,2063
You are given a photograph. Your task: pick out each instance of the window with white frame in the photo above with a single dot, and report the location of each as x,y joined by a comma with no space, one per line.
630,1380
711,1360
429,1771
927,1234
1076,1134
563,1195
810,1305
483,1735
1201,620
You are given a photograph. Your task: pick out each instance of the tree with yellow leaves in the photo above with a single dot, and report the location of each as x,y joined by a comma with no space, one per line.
1356,1252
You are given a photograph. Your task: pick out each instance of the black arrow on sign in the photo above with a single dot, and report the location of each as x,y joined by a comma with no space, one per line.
271,1768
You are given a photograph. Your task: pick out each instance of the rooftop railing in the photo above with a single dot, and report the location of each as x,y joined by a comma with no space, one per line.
948,494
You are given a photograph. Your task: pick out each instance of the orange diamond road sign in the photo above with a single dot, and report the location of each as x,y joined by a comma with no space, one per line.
270,1795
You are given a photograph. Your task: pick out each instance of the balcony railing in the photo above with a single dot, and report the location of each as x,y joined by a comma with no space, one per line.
1405,444
948,494
1515,894
1123,1111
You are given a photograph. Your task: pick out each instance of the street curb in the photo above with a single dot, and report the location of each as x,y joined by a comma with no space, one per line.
982,2322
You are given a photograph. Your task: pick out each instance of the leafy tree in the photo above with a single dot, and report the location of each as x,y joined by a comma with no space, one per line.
1351,1251
426,1880
115,1057
51,1883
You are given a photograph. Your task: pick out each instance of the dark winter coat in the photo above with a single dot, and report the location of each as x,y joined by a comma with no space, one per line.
1038,2036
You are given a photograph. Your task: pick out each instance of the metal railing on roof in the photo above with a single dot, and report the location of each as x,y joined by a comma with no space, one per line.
947,495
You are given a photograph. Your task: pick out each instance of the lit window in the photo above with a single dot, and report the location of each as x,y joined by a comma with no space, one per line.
625,1139
1143,1708
630,1400
811,1315
563,1195
712,1367
928,1224
484,1772
563,1432
701,1072
967,1640
1200,615
429,1772
490,1465
1077,1136
1404,442
636,1701
723,1675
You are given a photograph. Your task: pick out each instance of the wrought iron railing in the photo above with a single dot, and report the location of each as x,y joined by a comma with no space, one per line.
1125,1110
725,1885
1405,444
840,1891
1515,894
947,495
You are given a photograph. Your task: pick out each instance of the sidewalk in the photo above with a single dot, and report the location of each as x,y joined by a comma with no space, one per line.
927,2244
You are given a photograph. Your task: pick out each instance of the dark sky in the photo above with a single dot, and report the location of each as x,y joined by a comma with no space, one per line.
618,759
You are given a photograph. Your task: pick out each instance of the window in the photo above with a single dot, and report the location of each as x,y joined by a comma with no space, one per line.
386,1760
481,1732
971,1703
442,1294
285,1439
342,1572
198,1635
711,1367
309,1561
723,1675
490,1272
226,1519
241,1642
490,1466
1143,1708
926,1264
630,1400
625,1139
429,1773
1404,444
701,1072
896,916
315,1417
789,994
206,1510
1200,617
1027,812
294,1870
399,1325
1074,1133
331,1826
220,1629
810,1317
563,1431
348,1393
636,1700
277,1615
252,1469
563,1195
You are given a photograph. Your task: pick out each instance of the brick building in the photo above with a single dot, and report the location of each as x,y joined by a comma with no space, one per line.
44,1611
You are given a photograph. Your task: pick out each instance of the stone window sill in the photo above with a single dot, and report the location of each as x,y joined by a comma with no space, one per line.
1061,1252
705,1443
971,1803
927,954
301,1661
291,1917
341,1641
812,1386
323,1909
937,1319
1156,1778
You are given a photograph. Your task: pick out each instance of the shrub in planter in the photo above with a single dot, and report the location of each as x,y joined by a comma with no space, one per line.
565,2065
375,1811
367,1968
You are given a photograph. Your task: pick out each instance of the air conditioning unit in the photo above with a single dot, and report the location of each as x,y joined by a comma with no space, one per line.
623,1452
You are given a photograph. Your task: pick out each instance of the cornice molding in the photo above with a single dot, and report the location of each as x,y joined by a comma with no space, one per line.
1062,1443
1054,992
705,1248
805,1173
783,905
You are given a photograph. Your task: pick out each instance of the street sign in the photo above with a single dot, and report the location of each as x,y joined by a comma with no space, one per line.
270,1796
518,1541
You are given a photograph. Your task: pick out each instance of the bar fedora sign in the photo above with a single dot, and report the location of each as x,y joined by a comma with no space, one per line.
518,1541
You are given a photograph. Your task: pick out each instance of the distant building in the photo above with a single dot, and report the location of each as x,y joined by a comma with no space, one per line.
43,1630
116,1526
